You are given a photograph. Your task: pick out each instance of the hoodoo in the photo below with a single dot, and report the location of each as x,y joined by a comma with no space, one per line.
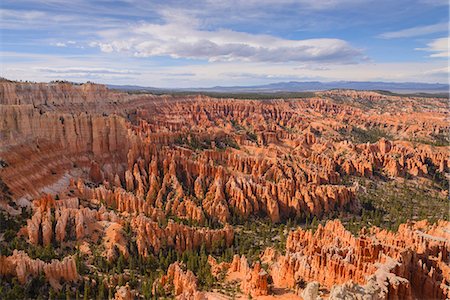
107,194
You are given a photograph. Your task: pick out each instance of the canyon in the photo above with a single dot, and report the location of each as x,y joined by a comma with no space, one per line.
140,195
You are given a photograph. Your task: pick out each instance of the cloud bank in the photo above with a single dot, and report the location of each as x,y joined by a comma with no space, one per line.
181,37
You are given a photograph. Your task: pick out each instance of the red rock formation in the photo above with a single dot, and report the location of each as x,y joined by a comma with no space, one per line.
75,222
51,93
151,237
255,282
95,173
120,200
289,163
123,293
22,266
39,158
184,283
114,239
403,264
146,159
218,269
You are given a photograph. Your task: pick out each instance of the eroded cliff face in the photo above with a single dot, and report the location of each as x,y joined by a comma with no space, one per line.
120,175
58,93
42,150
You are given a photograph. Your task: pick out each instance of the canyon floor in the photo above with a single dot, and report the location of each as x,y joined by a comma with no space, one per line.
339,194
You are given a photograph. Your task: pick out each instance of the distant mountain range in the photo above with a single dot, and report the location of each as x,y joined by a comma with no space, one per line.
307,86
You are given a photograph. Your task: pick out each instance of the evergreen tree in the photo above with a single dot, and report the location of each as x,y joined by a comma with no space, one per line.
68,292
86,291
101,291
51,294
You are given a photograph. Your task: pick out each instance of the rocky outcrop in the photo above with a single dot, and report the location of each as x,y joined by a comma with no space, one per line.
64,220
119,199
152,238
47,159
114,240
123,293
311,291
255,282
396,159
20,265
183,283
401,265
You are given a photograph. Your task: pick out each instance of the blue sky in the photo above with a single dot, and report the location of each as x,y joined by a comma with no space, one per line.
206,43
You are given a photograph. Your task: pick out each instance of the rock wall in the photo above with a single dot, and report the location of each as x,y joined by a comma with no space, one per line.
40,150
22,93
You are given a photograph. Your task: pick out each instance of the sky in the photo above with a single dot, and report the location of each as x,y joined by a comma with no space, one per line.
206,43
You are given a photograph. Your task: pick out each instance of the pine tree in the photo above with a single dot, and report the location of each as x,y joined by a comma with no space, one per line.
86,291
51,294
314,223
101,291
68,292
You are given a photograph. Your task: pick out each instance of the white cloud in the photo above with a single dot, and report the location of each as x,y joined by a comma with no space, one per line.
439,47
181,37
416,31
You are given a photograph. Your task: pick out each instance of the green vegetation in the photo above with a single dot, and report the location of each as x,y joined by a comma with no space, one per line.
256,233
362,136
421,95
138,271
193,142
388,204
249,132
5,192
437,140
